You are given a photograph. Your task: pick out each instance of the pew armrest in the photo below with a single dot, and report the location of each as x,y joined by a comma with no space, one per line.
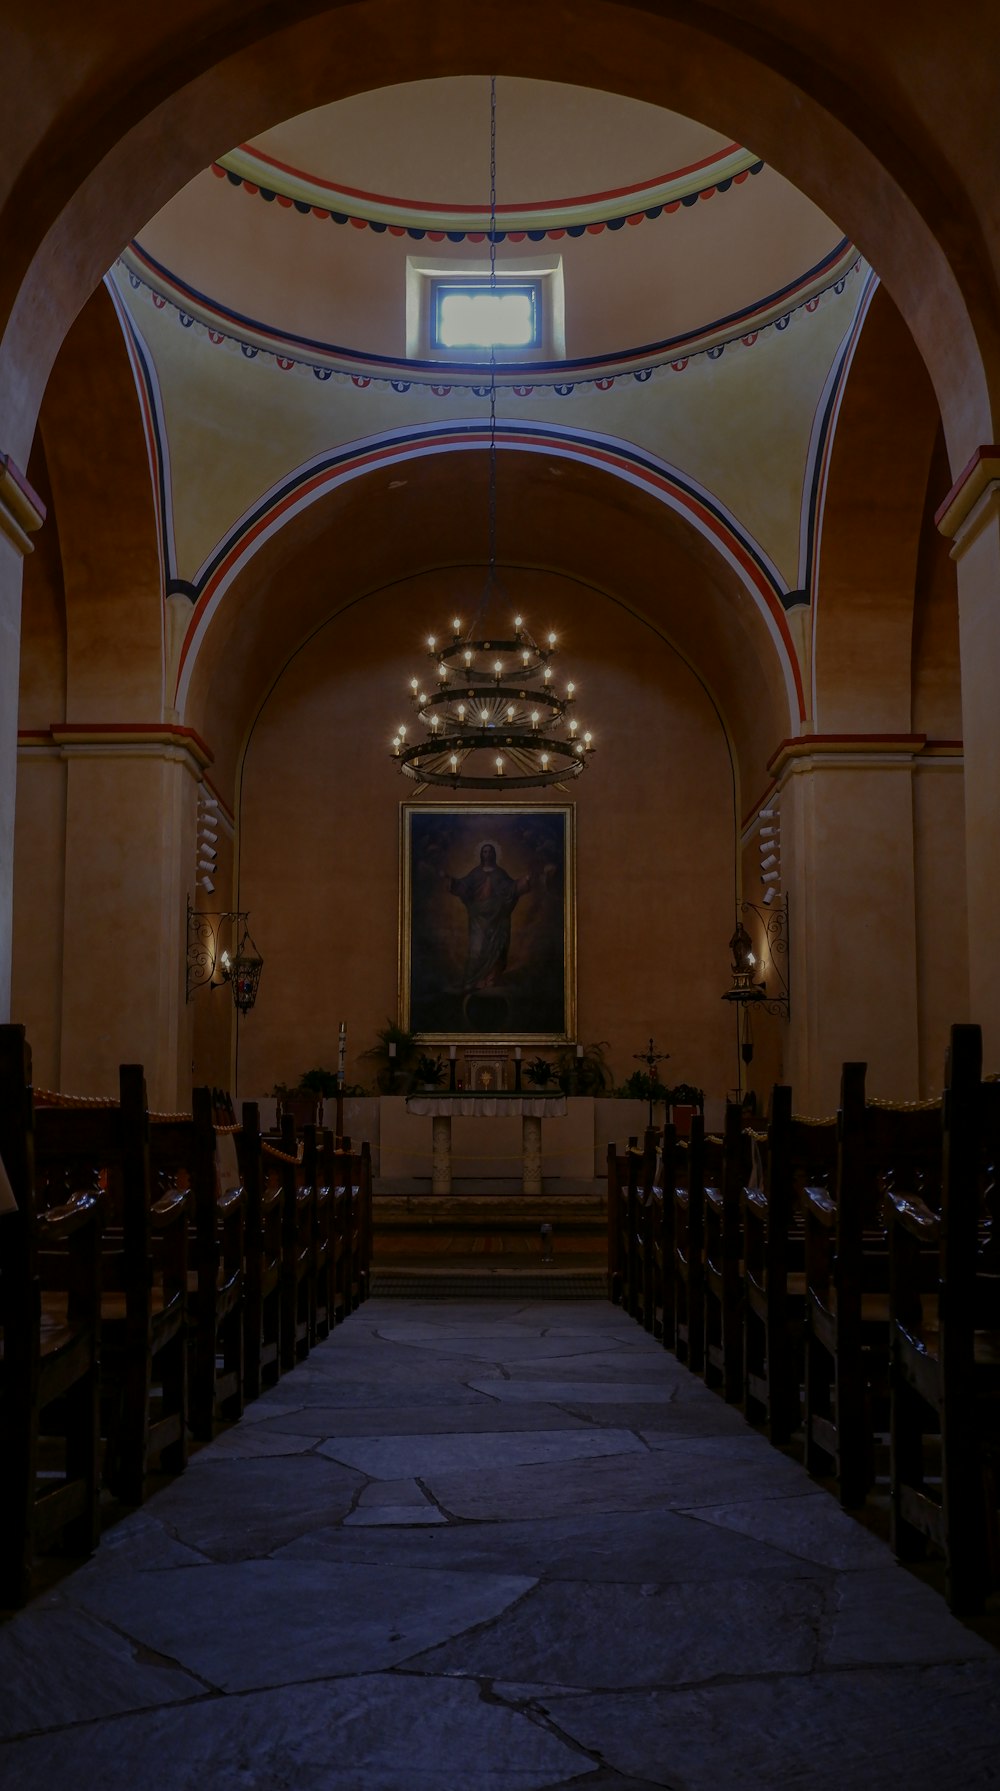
915,1217
169,1208
61,1222
820,1207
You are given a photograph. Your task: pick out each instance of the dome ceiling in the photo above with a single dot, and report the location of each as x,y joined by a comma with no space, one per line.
670,236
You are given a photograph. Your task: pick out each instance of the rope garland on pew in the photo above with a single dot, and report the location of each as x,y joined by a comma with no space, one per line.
282,1156
806,1119
904,1106
49,1097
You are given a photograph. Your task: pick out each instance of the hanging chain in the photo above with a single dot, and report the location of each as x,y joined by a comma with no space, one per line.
491,575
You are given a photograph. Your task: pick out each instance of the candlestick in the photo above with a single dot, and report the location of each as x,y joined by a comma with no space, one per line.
342,1047
392,1047
452,1053
517,1053
579,1052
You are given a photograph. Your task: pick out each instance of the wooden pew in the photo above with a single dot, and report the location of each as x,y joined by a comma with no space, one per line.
846,1320
945,1341
323,1269
654,1220
144,1387
285,1164
795,1154
263,1256
185,1153
727,1161
687,1198
337,1178
358,1245
49,1347
620,1265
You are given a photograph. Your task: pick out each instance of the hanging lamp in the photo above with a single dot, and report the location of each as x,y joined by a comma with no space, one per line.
488,713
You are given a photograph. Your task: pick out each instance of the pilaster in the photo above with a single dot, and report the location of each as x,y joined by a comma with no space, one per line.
21,514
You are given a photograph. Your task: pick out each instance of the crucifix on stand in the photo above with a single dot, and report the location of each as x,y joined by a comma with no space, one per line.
651,1057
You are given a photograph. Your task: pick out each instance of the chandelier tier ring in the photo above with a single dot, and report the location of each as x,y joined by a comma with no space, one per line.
492,697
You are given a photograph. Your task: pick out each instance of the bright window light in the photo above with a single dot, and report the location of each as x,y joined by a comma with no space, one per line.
473,316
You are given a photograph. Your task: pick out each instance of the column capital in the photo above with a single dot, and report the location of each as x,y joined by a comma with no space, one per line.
977,480
120,739
21,509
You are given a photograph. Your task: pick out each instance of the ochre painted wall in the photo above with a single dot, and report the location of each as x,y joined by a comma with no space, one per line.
320,831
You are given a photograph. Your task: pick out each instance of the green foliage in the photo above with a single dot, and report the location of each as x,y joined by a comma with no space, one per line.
641,1086
429,1070
395,1072
321,1082
586,1075
538,1072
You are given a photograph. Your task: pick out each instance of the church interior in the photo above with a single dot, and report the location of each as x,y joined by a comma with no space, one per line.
733,495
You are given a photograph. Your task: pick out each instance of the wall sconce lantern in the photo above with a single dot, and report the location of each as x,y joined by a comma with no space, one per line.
748,989
207,967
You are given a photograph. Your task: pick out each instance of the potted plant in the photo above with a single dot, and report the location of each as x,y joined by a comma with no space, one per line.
538,1072
429,1072
641,1086
396,1071
303,1104
586,1074
321,1082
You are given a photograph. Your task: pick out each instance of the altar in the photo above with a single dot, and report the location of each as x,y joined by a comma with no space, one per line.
518,1137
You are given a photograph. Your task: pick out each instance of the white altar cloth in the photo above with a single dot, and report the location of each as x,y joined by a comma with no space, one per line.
480,1106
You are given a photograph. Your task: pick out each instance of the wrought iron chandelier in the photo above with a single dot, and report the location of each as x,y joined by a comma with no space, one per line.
487,714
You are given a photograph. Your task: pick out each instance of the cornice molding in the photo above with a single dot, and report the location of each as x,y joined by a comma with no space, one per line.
118,739
873,749
849,751
21,509
976,476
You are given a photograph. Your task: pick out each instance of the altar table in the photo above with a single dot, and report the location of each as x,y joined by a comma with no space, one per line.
531,1109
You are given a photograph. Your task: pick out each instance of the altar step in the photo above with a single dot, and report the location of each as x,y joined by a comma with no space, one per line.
488,1236
540,1284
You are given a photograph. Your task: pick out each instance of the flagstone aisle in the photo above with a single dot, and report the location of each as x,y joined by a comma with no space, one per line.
472,1546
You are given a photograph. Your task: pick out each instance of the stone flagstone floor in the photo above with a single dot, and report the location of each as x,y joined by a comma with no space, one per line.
471,1546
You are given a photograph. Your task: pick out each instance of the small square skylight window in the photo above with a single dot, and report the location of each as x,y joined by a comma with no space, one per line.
472,316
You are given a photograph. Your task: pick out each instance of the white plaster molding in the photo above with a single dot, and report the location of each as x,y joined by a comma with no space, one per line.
21,510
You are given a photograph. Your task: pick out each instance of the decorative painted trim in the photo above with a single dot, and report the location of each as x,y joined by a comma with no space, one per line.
147,387
21,509
204,317
112,738
531,221
666,483
817,471
980,472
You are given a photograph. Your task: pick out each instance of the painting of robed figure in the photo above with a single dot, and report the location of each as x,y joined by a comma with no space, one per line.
487,922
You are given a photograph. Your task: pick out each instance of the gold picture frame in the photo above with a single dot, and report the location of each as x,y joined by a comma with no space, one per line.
487,943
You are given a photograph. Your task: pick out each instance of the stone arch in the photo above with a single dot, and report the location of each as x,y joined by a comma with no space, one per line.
875,500
717,527
103,508
868,150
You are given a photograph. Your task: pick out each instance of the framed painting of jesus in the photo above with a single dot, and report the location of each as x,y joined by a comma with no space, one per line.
488,922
